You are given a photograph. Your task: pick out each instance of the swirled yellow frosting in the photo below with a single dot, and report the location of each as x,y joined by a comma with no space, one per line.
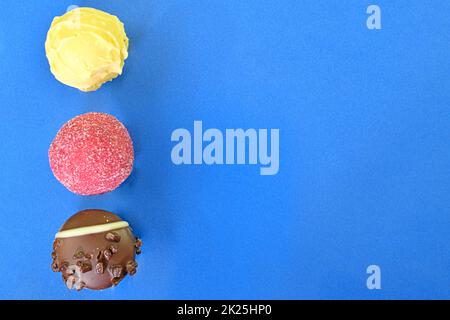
86,47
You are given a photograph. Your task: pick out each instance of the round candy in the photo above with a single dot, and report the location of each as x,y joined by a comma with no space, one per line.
92,154
86,47
95,249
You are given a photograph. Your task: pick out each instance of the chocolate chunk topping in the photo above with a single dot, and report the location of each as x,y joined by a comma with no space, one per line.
55,267
100,268
55,244
112,236
107,254
116,270
116,280
138,243
79,253
85,266
64,266
113,248
131,267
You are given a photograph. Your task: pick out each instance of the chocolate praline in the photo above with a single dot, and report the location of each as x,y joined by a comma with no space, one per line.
95,249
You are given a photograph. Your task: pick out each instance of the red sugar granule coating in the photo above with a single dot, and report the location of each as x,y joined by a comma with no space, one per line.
92,154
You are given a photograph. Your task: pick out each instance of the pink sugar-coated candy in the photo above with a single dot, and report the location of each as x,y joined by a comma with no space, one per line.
92,154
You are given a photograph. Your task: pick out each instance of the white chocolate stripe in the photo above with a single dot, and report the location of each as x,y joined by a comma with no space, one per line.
82,231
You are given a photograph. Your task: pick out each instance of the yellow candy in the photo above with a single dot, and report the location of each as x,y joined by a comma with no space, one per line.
86,47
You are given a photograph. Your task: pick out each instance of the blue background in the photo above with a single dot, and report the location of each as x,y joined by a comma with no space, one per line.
364,125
